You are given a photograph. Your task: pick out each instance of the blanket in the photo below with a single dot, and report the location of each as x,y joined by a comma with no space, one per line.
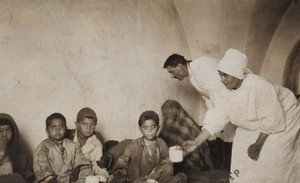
178,126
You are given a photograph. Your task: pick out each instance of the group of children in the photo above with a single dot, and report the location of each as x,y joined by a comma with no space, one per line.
56,158
61,160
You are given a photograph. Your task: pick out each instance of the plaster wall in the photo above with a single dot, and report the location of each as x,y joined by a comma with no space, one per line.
283,41
211,27
62,55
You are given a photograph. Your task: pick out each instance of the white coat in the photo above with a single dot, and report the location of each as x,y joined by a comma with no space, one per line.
204,77
259,106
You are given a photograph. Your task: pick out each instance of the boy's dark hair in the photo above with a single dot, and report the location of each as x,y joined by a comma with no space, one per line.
55,116
174,60
148,115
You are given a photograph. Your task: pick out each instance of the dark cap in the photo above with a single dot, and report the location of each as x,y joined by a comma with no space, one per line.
148,115
86,113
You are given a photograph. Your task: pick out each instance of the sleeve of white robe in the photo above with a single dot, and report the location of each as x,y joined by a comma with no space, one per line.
269,109
209,85
216,118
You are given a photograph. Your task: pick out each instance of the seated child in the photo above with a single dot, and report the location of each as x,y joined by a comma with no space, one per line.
147,157
56,158
7,173
89,140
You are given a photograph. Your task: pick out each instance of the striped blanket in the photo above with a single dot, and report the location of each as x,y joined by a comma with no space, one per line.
178,127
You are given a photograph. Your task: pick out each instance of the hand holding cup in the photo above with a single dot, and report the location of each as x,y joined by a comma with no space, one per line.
188,147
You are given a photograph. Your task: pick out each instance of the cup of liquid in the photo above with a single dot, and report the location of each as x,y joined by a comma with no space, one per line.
176,154
92,179
151,181
95,179
102,179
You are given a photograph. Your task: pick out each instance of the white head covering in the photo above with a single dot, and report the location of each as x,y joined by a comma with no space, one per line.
234,63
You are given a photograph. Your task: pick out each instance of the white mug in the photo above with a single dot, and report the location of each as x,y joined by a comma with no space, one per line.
151,181
175,154
92,179
102,179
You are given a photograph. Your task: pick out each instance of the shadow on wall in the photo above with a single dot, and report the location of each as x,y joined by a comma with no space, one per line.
261,30
291,76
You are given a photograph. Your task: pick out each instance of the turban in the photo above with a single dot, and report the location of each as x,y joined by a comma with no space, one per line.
234,63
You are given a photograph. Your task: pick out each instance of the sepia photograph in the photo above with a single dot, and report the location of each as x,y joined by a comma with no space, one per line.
150,91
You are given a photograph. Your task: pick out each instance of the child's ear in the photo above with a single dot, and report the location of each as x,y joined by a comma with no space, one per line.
158,127
140,128
66,129
76,124
47,131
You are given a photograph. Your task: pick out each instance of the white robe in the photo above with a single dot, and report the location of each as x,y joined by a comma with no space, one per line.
259,106
206,80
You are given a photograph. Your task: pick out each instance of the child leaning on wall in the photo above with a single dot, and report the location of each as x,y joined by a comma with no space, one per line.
58,159
146,159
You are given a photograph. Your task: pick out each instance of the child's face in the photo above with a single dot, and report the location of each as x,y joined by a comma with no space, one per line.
149,129
170,113
56,130
5,134
86,127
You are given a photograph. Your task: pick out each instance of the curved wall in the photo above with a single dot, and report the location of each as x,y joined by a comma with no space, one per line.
60,56
284,39
211,27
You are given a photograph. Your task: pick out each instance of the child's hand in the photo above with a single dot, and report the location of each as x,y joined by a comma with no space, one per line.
53,180
100,171
254,150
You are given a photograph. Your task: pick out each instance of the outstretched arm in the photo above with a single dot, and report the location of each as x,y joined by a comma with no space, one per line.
190,146
254,149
